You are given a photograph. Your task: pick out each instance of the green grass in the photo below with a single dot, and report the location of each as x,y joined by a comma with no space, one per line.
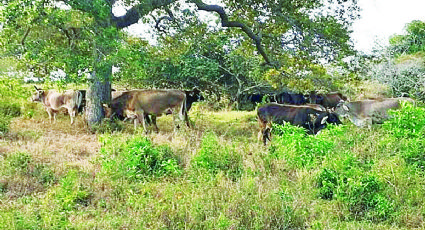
216,175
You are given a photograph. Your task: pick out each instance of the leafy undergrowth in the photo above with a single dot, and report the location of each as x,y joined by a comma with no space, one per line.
216,175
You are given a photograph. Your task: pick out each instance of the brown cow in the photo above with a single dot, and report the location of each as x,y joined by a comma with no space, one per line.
134,104
367,112
329,100
306,116
53,101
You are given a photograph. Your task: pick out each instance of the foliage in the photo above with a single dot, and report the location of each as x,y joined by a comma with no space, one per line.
401,64
404,75
19,162
215,157
411,42
8,109
299,149
137,158
408,128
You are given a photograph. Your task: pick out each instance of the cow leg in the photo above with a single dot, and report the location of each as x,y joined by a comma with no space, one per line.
267,135
153,121
141,118
49,111
71,114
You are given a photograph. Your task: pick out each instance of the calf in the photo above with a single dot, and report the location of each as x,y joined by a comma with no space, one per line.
308,117
53,101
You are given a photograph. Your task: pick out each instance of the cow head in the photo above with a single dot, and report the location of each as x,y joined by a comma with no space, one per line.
324,119
38,94
194,95
342,109
108,110
315,98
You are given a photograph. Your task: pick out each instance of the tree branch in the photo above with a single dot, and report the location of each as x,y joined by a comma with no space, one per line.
25,36
170,17
225,22
135,13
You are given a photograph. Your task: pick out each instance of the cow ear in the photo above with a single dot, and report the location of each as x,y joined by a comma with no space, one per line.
324,120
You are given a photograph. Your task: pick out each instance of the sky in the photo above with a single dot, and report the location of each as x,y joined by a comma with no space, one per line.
379,20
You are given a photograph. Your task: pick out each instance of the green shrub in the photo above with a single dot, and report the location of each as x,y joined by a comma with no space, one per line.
19,162
215,157
327,183
69,194
44,174
407,122
9,109
408,127
364,198
13,89
298,149
4,124
137,158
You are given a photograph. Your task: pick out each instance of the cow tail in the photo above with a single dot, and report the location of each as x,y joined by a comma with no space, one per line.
78,99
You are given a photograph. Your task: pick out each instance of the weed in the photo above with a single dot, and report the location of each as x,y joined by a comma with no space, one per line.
137,158
215,157
19,162
297,148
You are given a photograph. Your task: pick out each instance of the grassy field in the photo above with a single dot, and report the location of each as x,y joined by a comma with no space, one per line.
216,175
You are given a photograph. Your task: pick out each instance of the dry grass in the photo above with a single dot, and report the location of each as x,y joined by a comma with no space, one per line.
64,145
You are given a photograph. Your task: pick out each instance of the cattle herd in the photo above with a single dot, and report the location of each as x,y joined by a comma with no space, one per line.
312,112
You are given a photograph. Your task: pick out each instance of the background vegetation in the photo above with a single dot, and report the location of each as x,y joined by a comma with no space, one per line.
216,175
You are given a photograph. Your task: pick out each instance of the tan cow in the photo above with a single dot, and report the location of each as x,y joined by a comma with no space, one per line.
364,113
53,101
134,104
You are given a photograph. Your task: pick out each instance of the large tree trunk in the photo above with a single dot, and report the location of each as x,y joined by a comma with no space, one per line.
98,93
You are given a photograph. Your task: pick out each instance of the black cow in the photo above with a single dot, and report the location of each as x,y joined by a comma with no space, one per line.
255,98
290,98
192,96
305,116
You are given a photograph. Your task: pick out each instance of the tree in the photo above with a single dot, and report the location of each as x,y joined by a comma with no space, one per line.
411,42
308,30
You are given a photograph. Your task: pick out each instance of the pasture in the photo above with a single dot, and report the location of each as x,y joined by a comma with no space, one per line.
216,175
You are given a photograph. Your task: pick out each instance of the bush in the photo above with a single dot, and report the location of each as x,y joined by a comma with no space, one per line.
137,158
8,110
18,162
407,122
4,125
408,127
405,77
215,157
299,149
69,194
327,183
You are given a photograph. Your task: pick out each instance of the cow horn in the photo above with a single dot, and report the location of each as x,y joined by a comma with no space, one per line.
324,120
35,87
345,107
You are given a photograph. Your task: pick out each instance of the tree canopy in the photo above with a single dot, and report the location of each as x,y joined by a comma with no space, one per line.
293,39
